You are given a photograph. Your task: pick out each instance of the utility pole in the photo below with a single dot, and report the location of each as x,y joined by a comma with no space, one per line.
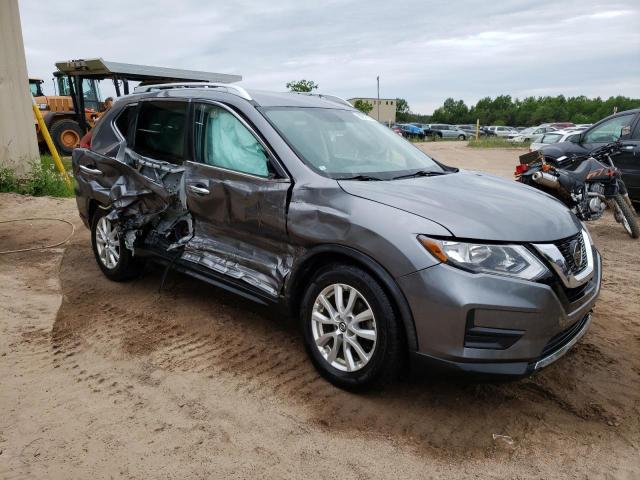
18,144
378,80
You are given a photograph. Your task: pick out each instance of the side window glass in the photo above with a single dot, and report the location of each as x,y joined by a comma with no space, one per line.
223,141
123,121
160,131
636,132
608,131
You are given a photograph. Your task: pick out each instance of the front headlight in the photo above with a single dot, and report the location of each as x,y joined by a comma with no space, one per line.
509,260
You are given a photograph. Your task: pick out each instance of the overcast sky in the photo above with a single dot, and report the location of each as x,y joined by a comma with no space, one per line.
423,51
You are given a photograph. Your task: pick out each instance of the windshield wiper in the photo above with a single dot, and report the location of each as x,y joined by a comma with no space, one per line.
420,173
362,178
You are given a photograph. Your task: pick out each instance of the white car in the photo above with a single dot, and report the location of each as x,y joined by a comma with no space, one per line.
528,133
502,131
557,136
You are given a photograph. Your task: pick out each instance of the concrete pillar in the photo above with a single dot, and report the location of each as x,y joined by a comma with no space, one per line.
18,143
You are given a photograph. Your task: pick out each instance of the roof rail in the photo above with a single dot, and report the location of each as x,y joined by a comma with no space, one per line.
232,89
331,98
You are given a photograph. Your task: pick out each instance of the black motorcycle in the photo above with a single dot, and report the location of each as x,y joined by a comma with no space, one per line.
587,184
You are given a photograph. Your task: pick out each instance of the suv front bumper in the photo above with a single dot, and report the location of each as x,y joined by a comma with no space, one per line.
497,325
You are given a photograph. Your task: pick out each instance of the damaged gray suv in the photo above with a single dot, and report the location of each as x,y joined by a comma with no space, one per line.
383,253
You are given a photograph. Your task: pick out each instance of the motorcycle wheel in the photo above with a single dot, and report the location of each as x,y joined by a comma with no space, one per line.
625,215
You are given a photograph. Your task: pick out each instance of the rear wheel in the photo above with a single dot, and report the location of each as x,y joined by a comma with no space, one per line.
461,137
626,216
114,259
66,135
350,328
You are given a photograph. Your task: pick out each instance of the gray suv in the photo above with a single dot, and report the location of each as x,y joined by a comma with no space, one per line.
383,253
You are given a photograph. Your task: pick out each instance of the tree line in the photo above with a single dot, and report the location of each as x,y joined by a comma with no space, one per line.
503,110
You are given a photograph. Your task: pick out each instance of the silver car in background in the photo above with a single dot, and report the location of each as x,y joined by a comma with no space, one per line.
557,136
448,131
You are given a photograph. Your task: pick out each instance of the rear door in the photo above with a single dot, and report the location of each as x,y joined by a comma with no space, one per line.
237,194
629,160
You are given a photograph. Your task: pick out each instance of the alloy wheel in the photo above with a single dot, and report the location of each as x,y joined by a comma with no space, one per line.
344,327
107,243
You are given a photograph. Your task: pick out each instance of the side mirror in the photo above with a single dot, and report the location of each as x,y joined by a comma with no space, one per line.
576,138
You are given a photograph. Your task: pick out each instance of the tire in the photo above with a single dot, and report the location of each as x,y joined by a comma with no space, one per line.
126,266
627,217
66,135
381,339
461,137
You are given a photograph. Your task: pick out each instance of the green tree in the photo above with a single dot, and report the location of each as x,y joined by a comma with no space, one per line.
453,111
402,106
363,106
302,85
503,110
403,112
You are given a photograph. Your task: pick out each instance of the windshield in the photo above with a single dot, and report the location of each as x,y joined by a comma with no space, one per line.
527,130
344,143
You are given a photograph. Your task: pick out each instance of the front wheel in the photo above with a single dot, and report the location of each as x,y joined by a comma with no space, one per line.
461,137
624,215
350,328
66,135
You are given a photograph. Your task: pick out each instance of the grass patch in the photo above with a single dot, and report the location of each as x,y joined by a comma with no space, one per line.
495,142
44,179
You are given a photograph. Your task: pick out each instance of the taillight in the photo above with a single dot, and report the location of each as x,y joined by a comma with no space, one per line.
520,169
85,142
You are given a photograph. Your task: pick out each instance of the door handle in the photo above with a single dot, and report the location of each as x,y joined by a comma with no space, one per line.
199,190
90,171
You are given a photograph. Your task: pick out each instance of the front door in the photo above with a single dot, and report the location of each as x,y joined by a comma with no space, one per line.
237,194
629,160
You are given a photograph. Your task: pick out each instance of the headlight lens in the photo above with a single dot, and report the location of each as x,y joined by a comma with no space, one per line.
510,260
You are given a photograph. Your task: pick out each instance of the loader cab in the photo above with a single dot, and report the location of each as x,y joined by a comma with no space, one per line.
35,87
90,91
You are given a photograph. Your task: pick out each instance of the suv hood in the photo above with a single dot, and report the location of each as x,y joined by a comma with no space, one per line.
474,205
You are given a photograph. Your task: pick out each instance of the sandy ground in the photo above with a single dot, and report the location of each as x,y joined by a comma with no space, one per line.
108,380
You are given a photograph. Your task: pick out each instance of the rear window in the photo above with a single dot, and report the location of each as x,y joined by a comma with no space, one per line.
160,131
551,138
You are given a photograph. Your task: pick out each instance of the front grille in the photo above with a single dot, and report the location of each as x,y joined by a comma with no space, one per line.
561,338
567,248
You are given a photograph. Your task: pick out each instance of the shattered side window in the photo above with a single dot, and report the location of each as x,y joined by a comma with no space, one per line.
223,141
160,131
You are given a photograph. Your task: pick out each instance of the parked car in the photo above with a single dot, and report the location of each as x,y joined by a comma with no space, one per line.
503,131
487,131
378,250
559,125
527,134
556,136
623,126
426,128
409,130
397,129
470,130
447,131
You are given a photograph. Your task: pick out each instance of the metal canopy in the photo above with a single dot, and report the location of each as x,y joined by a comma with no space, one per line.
99,69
